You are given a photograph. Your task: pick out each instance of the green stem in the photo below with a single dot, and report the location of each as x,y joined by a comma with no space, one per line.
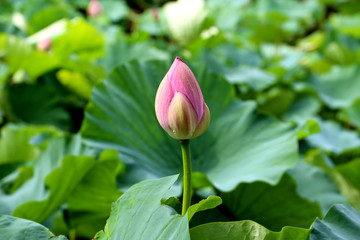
185,149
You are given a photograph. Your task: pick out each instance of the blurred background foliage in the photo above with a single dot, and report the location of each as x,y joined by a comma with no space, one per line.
298,61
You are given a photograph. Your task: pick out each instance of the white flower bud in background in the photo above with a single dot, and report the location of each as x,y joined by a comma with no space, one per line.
19,21
185,19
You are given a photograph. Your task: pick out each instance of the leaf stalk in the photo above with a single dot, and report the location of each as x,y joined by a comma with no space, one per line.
185,149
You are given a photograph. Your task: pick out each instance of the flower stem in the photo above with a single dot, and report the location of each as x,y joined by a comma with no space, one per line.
185,149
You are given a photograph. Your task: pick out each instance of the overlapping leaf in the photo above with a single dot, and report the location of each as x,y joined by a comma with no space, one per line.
346,176
15,143
271,206
17,228
18,55
34,189
205,204
78,178
138,214
338,88
352,113
316,185
334,138
245,230
341,222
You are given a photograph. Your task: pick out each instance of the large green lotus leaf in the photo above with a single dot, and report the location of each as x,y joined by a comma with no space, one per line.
341,222
315,185
15,142
339,87
245,230
34,189
138,214
17,228
271,206
334,138
239,146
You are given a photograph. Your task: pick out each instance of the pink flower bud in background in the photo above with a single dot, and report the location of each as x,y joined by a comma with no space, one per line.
179,103
44,44
155,13
94,8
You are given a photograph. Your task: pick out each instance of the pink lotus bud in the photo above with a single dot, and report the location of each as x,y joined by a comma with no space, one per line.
155,13
44,44
179,103
94,8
